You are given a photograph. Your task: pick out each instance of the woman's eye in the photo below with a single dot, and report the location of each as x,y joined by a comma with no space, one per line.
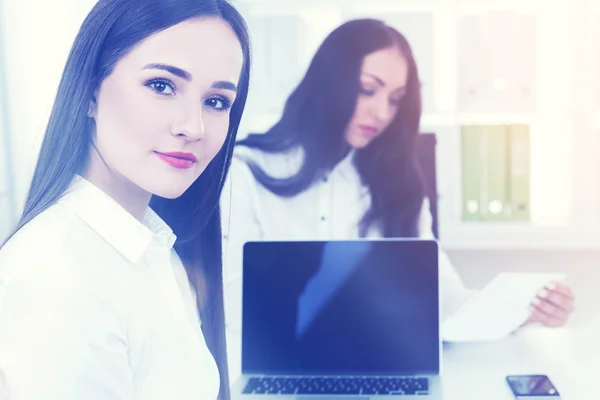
367,92
218,103
162,87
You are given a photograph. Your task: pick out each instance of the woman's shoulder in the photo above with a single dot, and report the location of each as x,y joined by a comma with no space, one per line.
42,236
51,244
278,165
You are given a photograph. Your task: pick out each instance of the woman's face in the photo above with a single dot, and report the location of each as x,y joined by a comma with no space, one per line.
163,113
383,79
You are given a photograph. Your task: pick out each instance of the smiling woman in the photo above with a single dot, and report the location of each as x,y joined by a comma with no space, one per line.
167,87
122,297
185,96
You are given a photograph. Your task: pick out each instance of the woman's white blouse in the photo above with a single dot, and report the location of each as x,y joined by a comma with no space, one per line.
330,210
96,305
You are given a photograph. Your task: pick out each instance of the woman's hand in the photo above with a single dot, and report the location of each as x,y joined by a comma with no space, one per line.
552,306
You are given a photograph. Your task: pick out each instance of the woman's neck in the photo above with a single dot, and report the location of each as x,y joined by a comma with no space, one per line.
347,152
130,196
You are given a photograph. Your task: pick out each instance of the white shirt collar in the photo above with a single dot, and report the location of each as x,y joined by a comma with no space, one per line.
113,223
346,168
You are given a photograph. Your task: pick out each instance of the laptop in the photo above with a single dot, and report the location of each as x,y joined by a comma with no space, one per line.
340,320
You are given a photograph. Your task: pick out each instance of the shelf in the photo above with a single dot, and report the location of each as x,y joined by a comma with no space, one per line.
359,5
452,119
482,6
263,120
399,5
479,236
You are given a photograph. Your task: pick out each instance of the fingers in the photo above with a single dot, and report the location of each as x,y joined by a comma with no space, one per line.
554,299
560,289
553,305
550,320
548,314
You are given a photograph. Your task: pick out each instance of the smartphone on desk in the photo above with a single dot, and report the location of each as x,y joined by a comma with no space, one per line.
532,387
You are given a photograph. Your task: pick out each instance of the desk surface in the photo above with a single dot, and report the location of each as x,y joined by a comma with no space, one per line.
569,356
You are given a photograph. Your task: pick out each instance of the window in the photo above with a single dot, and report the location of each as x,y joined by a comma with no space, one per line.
7,209
36,38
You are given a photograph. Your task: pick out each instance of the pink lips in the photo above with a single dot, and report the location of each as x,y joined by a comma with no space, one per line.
368,130
178,159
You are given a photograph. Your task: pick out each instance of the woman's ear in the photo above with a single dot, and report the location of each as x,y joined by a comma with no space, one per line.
92,107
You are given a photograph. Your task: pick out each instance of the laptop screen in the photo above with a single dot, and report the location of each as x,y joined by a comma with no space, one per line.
341,308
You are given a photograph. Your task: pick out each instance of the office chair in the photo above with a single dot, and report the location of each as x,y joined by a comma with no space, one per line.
426,146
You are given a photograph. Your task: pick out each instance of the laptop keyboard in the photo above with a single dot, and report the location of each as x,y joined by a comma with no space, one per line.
338,385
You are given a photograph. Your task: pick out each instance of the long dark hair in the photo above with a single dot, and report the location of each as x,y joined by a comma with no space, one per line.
112,29
317,113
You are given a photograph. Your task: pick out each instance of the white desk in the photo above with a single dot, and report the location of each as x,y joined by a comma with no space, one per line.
569,356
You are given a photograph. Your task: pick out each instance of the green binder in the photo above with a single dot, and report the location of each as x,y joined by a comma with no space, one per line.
497,202
519,172
472,178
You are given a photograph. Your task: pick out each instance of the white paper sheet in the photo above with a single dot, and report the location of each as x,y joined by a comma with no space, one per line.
498,309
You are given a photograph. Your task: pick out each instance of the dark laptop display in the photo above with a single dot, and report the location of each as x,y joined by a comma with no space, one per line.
341,308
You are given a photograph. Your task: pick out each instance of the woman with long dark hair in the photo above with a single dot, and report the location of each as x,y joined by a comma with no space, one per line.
111,284
341,163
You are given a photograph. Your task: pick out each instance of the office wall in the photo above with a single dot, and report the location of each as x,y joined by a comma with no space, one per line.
36,36
7,205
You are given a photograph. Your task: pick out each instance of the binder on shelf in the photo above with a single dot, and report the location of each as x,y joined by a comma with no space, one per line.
495,172
519,172
472,174
497,206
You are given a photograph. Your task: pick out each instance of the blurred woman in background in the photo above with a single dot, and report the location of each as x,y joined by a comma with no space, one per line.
341,163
